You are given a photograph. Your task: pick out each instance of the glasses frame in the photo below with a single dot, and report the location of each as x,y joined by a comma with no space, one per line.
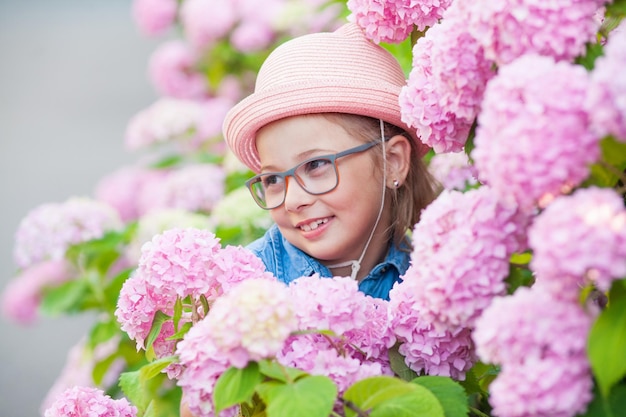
292,173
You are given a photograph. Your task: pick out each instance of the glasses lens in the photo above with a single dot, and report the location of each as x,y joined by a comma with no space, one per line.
317,176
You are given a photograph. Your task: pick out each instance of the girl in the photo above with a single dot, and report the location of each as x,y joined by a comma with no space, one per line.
339,171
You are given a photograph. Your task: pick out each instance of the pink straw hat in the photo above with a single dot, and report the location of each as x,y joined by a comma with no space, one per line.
338,72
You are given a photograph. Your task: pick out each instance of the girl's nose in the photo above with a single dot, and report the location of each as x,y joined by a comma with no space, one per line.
295,196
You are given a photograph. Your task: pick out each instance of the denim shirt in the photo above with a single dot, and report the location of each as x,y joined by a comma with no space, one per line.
288,263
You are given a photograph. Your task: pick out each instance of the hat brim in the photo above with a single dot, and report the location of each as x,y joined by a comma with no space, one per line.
378,101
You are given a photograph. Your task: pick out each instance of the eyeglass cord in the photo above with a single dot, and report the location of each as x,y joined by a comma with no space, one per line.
356,264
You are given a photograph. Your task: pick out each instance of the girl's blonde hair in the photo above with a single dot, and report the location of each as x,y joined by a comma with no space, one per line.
419,188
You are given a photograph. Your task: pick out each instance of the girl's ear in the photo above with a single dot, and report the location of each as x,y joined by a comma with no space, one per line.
398,150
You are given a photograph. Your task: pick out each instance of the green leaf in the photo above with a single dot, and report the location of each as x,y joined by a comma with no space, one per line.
607,172
178,312
592,52
607,340
311,396
450,394
157,323
399,366
616,8
134,390
393,397
181,332
100,368
613,406
103,331
274,370
65,298
236,386
154,368
114,286
518,277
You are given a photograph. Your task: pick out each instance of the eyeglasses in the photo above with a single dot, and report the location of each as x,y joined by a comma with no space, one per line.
316,176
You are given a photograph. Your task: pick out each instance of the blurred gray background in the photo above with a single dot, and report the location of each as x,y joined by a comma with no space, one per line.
72,74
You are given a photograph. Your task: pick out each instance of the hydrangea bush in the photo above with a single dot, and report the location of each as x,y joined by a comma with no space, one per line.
515,301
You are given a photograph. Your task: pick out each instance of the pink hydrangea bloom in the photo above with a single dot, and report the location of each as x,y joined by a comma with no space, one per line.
166,120
172,71
175,264
361,327
203,364
607,96
205,21
249,323
579,238
92,402
195,187
189,124
251,36
393,21
79,366
433,350
530,324
22,295
453,170
509,29
48,230
122,189
154,17
461,250
550,387
446,85
533,140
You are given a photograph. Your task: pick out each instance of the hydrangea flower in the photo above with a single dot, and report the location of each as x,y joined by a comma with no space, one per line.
203,364
453,170
508,29
579,238
533,118
607,95
530,324
122,189
238,209
176,264
205,21
196,187
22,295
92,402
461,250
154,17
393,21
158,221
79,366
360,325
550,387
48,230
446,84
173,73
433,350
249,323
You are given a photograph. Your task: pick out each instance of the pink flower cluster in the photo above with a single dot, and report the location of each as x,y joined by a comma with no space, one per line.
177,264
606,101
360,325
460,259
190,124
393,21
249,323
446,85
154,17
508,29
195,187
533,140
453,170
92,402
48,230
22,295
540,341
172,69
578,239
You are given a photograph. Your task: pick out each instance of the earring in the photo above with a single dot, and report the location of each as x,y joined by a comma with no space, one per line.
396,183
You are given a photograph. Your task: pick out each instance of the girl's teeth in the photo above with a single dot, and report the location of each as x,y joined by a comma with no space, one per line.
312,225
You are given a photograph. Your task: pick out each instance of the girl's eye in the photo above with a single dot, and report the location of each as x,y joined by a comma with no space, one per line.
316,164
271,181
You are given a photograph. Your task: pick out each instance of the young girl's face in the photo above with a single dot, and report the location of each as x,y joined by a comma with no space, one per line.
335,226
